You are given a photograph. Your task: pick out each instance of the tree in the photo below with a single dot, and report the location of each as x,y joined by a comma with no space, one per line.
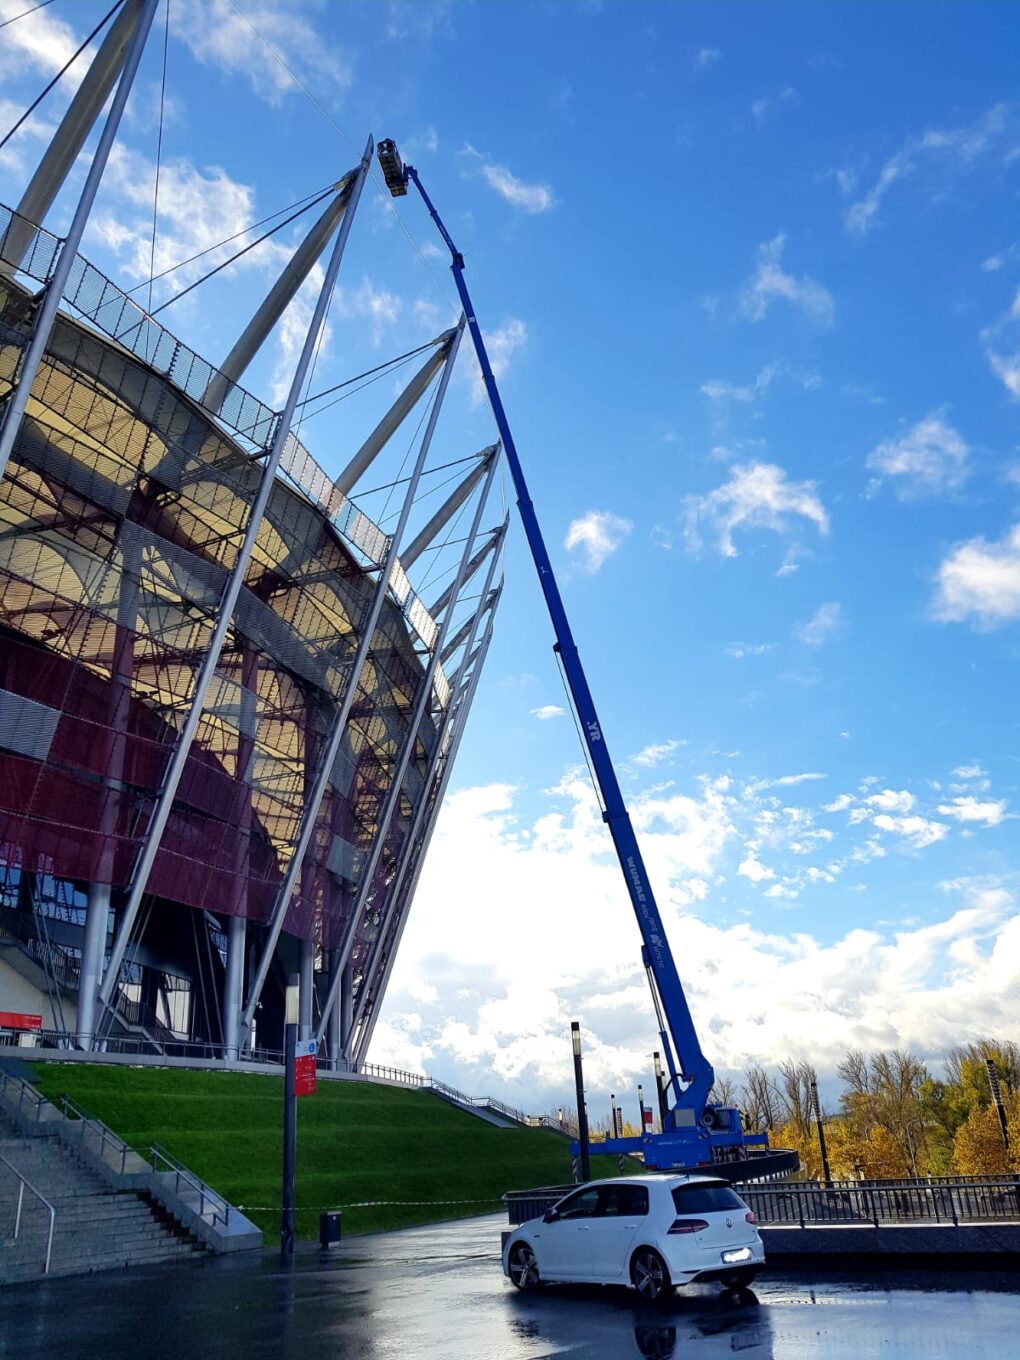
760,1099
978,1149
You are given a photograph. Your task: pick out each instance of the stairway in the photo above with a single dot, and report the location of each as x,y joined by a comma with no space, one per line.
96,1228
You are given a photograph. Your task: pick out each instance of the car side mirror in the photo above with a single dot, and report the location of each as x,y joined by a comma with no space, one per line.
550,1216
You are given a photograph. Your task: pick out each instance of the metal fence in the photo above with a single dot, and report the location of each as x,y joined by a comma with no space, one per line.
982,1200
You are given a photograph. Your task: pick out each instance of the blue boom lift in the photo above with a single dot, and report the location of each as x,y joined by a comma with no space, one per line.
694,1132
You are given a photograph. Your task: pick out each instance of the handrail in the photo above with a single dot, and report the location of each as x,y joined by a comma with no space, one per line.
220,1206
73,1113
23,1184
25,1092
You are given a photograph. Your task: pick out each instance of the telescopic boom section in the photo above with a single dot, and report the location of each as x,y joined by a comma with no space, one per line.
695,1070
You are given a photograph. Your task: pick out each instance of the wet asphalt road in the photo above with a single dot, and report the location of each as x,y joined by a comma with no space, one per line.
438,1292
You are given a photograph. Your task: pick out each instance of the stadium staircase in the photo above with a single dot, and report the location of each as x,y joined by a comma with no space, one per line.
94,1227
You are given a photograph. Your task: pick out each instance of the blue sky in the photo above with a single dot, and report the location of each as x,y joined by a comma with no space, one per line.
752,274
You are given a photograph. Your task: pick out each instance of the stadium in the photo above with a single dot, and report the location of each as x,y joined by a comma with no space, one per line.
227,718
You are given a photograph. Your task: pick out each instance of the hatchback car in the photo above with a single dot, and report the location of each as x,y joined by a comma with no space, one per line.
652,1232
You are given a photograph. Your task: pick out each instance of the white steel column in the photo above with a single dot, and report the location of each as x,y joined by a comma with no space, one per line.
356,1053
175,769
47,314
406,750
313,801
233,985
306,970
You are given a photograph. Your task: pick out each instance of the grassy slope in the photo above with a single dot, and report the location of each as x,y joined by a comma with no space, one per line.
356,1142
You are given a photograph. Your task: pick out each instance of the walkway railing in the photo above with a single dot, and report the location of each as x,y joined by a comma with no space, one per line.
107,1145
949,1202
23,1185
211,1206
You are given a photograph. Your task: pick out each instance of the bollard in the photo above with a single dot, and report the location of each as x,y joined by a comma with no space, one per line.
330,1229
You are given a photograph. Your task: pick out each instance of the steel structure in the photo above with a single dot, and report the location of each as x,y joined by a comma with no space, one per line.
227,719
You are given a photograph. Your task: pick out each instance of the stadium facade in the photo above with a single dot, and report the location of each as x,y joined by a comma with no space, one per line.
227,719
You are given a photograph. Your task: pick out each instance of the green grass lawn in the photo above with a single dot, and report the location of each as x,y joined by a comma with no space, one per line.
356,1142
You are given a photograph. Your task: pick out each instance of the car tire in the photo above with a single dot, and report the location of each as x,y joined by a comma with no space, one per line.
649,1275
740,1279
522,1267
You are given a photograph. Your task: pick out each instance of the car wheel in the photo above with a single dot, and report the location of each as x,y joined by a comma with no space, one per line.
522,1266
740,1279
649,1274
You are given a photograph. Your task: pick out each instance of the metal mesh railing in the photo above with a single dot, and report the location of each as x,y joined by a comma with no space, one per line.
955,1202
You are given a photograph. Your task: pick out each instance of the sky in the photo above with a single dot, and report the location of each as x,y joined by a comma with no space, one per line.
750,276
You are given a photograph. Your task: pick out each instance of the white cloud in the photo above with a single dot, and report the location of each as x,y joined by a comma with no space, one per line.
597,535
706,57
822,624
1002,347
503,1011
891,800
763,108
757,496
950,151
840,803
656,753
980,581
771,281
716,389
974,771
971,809
548,711
533,198
367,302
40,40
741,649
217,34
917,832
753,869
930,459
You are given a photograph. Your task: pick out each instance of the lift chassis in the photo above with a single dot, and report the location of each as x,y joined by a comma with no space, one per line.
694,1133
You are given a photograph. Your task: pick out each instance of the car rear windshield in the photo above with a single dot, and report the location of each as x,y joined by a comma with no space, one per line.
705,1199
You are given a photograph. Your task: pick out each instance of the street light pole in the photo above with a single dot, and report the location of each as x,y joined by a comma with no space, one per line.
821,1132
290,1030
996,1090
641,1109
660,1090
582,1113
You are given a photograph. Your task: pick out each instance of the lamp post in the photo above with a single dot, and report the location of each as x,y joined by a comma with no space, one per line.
996,1090
582,1114
821,1132
290,1029
641,1109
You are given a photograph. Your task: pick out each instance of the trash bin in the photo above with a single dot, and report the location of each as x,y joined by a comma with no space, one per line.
329,1229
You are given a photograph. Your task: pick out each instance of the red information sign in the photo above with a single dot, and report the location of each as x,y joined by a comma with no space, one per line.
648,1119
304,1068
18,1020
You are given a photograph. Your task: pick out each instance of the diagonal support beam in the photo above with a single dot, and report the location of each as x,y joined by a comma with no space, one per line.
313,802
407,747
449,508
75,126
281,294
175,768
397,414
476,561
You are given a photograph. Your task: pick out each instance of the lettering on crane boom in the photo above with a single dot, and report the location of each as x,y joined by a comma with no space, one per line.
594,731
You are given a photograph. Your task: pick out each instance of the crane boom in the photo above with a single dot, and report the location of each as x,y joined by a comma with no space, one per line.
693,1128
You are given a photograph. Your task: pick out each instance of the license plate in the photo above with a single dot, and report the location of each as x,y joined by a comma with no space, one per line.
731,1258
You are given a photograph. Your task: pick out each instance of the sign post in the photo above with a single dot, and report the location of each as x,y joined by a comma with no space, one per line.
304,1067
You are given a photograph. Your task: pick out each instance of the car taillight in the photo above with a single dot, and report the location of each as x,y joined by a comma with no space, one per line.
688,1225
751,1216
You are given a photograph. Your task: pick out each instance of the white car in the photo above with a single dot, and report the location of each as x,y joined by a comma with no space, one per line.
652,1232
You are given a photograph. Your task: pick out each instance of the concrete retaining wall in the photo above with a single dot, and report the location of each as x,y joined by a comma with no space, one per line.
893,1240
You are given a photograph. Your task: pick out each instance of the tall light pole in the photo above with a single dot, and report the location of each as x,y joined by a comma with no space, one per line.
821,1132
660,1090
641,1109
996,1090
290,1029
582,1113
